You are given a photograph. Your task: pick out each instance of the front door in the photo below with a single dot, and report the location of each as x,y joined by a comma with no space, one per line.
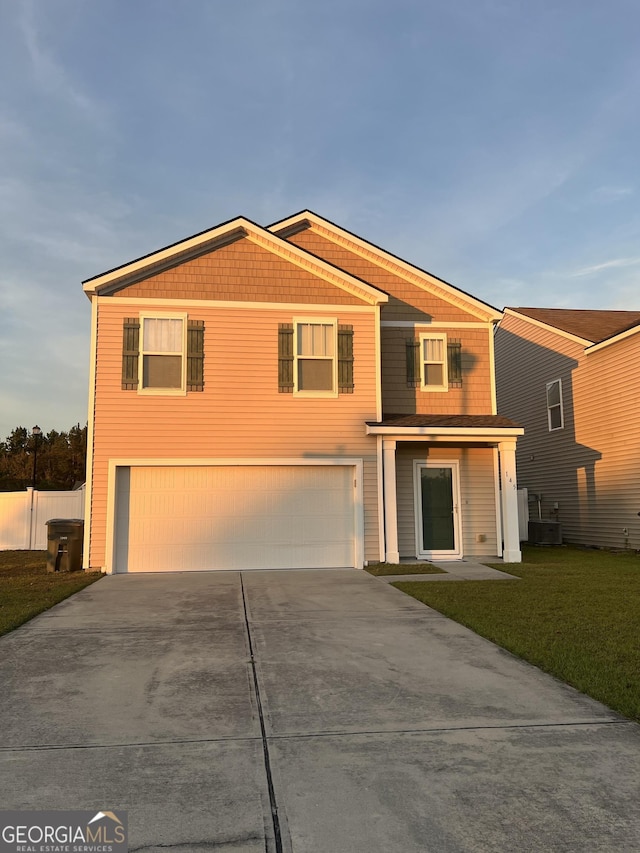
437,510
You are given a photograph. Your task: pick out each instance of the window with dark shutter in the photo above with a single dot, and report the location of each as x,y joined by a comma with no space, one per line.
285,358
160,343
454,363
345,359
130,353
413,363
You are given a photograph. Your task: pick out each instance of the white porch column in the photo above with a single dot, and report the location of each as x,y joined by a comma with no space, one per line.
508,479
390,507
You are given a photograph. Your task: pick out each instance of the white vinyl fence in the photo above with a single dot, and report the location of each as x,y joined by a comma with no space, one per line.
23,516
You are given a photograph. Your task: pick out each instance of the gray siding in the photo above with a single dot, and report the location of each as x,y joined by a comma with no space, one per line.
589,472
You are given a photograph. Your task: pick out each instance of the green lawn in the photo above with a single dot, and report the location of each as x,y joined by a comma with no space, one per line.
26,588
378,569
575,613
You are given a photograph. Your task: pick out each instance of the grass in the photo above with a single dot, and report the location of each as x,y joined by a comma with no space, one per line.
378,569
575,613
27,588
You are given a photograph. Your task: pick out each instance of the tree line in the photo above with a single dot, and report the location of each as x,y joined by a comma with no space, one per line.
60,459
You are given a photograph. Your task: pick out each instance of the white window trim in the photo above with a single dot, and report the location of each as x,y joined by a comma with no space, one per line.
163,392
549,384
430,336
324,321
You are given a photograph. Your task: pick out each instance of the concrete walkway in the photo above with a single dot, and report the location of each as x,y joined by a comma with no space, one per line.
315,712
454,570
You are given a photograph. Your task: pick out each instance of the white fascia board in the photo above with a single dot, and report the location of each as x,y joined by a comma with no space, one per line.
510,312
445,433
397,265
614,340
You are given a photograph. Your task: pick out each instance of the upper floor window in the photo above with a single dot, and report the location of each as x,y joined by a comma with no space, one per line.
433,362
163,346
163,354
315,357
555,414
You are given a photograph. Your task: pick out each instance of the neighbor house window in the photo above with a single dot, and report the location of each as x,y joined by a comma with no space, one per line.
315,365
163,354
433,363
555,414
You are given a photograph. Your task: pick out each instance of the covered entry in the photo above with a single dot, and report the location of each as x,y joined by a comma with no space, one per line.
449,485
235,516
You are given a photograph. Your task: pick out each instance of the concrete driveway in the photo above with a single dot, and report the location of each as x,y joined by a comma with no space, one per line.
315,711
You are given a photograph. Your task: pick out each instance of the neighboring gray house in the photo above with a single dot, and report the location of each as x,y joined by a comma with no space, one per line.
572,379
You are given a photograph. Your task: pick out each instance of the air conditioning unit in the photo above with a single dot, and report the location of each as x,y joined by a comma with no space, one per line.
545,533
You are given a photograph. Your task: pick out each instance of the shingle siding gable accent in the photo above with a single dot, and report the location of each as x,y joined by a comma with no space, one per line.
241,271
408,297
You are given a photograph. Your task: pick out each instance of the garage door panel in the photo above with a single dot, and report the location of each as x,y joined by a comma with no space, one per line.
243,517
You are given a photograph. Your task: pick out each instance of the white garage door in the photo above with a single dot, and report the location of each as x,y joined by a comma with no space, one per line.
247,517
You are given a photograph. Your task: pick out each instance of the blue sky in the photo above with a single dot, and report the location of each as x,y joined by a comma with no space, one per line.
493,142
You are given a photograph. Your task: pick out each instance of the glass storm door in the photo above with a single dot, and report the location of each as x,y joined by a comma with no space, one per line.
437,511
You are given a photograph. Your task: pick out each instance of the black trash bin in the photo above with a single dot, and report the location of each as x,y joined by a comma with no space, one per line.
64,544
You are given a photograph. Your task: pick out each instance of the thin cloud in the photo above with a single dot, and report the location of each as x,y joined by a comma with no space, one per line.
616,263
51,75
607,193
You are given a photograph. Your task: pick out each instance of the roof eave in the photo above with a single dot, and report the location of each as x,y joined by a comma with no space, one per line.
585,342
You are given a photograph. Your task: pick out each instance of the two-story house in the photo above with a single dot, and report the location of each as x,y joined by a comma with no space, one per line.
291,397
570,377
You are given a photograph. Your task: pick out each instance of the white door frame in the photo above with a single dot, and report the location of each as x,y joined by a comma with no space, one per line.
418,465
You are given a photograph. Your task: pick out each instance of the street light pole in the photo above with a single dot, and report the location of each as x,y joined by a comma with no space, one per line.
36,432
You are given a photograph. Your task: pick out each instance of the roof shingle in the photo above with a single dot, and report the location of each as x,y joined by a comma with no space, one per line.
591,325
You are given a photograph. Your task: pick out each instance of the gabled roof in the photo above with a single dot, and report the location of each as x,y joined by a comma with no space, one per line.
113,280
591,326
419,277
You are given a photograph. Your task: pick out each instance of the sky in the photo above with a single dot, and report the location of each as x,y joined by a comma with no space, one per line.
492,142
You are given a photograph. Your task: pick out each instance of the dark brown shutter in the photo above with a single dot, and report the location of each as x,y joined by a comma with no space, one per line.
195,355
454,363
413,363
130,353
345,359
285,358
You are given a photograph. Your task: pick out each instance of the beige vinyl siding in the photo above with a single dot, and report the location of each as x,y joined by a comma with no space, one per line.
590,469
243,272
472,398
407,301
240,413
477,495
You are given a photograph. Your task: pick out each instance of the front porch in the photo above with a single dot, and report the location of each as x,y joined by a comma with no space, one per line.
448,487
